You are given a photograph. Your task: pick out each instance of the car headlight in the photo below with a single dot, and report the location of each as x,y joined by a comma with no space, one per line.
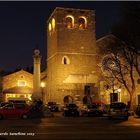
65,109
88,110
111,110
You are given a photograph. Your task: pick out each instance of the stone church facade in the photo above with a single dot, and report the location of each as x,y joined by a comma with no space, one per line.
17,86
71,55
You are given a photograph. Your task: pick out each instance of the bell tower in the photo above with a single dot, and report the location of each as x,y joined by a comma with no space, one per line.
71,30
71,52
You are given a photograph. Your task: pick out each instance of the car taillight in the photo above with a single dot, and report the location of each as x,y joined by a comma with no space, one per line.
89,110
125,110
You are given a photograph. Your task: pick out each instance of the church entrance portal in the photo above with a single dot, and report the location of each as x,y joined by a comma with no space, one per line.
68,99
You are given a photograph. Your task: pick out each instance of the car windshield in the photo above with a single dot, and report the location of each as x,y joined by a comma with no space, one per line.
3,104
8,106
72,105
51,103
19,105
92,107
117,105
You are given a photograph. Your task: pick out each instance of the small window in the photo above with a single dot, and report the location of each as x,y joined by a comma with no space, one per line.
69,21
65,60
21,83
82,22
53,24
21,76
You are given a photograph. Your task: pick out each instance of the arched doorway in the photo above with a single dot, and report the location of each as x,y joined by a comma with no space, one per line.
68,99
87,100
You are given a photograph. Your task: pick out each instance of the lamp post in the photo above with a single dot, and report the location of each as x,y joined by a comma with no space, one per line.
42,91
119,91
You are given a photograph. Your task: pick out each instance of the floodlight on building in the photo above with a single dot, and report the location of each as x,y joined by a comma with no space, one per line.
42,84
119,90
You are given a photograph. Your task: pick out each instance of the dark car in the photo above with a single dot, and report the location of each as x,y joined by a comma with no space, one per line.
91,110
105,109
53,106
71,110
118,110
12,111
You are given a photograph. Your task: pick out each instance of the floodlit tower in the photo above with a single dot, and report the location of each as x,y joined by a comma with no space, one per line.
71,53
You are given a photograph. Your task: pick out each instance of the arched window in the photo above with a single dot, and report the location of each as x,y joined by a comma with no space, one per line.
82,22
50,27
65,60
53,24
69,21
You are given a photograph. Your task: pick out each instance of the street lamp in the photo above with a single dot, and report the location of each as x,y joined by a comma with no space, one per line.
42,90
119,91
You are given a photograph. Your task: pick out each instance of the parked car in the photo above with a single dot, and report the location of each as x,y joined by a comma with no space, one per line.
118,110
106,108
3,104
11,111
91,110
71,110
137,111
53,106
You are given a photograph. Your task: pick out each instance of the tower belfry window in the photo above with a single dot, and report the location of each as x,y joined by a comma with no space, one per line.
82,22
53,24
69,21
50,27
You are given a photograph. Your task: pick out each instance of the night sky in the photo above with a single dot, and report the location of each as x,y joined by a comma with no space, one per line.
23,28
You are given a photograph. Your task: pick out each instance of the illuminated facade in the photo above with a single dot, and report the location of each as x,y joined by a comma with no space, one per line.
71,54
18,86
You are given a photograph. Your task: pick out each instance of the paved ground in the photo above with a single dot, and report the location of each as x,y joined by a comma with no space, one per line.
70,128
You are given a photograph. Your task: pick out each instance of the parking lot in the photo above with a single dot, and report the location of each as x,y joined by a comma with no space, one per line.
70,128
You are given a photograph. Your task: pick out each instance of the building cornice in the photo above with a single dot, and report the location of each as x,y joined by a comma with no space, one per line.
73,53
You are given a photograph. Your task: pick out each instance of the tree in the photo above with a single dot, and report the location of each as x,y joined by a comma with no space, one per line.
127,57
122,64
